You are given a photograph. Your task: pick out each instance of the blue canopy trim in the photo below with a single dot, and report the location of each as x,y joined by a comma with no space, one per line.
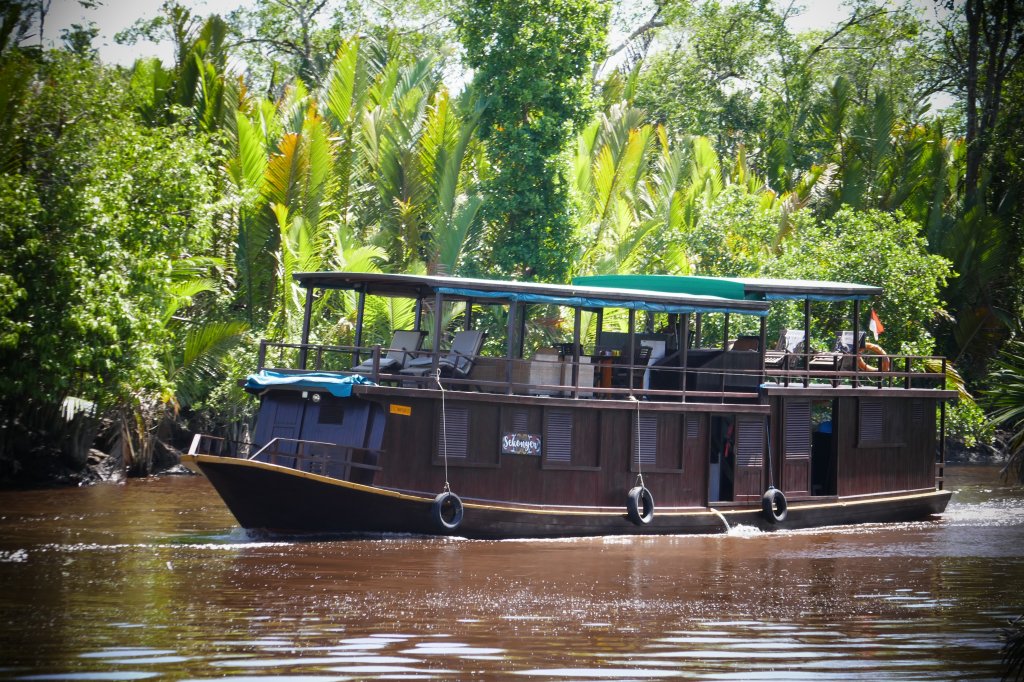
337,385
587,302
816,297
737,288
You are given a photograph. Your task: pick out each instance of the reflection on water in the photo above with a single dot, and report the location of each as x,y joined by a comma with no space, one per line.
154,579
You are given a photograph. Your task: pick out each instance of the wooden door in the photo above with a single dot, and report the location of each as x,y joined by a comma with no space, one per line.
749,457
796,447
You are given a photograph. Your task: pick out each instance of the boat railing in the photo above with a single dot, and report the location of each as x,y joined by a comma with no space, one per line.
863,370
204,444
737,376
345,462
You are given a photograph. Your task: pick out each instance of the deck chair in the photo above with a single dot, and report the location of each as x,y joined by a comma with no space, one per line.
839,358
403,344
790,341
620,375
457,362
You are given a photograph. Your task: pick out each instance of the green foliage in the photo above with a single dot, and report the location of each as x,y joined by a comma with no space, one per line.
706,83
98,209
967,423
282,42
532,63
146,211
377,168
1005,400
733,237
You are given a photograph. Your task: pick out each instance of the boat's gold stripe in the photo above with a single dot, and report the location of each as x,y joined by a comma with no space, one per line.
231,461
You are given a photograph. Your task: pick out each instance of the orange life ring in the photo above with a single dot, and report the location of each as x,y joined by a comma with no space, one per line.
884,364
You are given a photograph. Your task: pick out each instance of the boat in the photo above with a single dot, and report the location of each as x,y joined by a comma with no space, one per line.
615,405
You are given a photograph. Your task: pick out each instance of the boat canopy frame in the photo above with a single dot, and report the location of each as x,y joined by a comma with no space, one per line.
753,289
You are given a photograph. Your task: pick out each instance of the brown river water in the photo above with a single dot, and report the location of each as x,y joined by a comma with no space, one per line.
153,579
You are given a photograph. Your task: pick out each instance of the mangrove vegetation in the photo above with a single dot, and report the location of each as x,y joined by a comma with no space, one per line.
153,214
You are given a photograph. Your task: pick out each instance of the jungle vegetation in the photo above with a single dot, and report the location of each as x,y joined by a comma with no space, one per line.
153,214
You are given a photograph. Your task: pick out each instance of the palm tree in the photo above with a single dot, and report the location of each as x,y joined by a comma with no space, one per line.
186,373
1005,401
377,169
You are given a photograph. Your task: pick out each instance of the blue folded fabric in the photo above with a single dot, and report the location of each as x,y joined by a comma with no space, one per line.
338,385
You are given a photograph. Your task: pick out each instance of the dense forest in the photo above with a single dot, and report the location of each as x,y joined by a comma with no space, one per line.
153,215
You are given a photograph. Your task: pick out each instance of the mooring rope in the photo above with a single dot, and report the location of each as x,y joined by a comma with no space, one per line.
444,430
639,459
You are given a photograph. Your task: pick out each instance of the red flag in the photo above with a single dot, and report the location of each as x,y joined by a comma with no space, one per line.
875,325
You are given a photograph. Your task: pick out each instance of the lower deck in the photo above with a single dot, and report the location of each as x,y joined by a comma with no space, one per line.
560,452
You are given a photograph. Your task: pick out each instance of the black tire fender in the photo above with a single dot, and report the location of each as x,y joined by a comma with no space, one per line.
774,506
447,511
640,505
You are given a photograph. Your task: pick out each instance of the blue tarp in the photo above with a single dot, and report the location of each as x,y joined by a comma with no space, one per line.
588,302
337,385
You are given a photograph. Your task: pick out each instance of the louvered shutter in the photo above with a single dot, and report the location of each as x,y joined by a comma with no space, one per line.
647,440
558,439
454,433
869,428
797,428
749,441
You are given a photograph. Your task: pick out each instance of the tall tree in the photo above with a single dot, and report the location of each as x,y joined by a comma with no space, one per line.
985,44
532,62
99,207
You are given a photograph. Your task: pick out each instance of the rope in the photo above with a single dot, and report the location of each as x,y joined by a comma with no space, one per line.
639,459
768,438
444,430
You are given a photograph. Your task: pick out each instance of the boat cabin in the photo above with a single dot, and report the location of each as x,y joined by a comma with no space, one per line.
543,405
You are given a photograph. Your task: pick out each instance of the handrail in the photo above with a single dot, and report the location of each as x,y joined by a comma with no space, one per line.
335,446
900,374
196,447
320,462
857,375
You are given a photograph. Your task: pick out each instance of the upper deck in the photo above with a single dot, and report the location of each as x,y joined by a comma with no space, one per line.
611,337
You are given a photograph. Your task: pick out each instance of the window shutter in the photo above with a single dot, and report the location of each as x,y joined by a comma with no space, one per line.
797,428
870,418
749,441
520,421
456,431
916,411
558,438
647,440
692,427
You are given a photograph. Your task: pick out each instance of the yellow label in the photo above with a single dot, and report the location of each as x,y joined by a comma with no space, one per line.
403,410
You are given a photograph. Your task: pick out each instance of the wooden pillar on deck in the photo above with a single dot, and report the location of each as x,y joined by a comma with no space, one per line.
438,303
306,315
360,312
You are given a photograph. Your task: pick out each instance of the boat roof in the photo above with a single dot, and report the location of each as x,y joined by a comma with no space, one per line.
502,291
738,288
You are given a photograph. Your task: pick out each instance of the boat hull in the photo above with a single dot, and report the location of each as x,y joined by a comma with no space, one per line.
282,500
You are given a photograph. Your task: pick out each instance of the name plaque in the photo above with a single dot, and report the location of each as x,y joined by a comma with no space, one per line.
520,444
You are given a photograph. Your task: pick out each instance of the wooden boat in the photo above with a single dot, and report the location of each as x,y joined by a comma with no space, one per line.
662,412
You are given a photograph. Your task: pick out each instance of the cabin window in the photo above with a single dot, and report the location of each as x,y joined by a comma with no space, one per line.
749,441
454,433
331,412
797,428
646,445
916,411
558,436
870,422
571,439
520,420
692,427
